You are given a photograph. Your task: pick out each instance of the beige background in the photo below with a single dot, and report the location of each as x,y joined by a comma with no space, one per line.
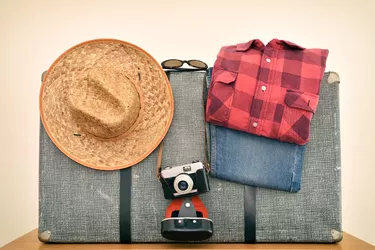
34,33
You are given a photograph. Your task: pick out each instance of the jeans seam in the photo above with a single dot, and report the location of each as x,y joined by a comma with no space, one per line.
294,169
213,149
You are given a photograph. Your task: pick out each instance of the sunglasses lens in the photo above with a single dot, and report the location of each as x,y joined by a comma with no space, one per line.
172,63
197,64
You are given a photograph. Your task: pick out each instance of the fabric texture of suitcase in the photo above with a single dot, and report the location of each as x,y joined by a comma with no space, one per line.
79,204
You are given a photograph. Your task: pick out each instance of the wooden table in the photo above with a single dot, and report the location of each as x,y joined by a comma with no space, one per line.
30,242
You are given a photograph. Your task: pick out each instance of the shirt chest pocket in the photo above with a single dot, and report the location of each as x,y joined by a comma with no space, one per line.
220,96
296,118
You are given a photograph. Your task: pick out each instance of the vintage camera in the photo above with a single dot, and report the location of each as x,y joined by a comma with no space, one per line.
187,220
186,180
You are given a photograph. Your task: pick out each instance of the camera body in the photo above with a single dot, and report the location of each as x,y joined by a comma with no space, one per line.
185,180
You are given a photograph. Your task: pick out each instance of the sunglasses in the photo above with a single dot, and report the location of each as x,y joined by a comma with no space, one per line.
176,63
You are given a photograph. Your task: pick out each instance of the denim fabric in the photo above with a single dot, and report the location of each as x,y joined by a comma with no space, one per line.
255,161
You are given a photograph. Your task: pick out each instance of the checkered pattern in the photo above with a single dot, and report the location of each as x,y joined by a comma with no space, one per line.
270,91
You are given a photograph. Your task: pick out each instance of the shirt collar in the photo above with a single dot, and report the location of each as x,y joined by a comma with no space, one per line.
274,43
252,43
284,45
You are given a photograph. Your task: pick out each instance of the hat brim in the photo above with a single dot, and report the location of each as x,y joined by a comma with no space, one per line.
84,148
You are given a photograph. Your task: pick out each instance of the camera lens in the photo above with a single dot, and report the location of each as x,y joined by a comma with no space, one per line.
182,185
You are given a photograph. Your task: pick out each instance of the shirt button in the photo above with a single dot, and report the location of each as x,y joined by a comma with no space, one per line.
268,60
264,88
255,124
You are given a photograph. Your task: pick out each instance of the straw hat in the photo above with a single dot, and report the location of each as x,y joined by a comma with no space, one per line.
106,104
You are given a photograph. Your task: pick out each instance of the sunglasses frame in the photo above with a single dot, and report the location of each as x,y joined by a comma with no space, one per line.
183,62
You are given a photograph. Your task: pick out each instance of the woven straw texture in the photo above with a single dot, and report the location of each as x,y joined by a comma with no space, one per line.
106,104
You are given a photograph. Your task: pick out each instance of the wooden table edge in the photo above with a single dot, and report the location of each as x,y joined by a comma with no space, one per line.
30,241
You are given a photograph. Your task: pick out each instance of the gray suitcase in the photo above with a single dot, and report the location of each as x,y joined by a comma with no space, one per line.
79,204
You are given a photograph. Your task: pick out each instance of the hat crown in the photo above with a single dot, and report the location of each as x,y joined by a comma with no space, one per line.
104,102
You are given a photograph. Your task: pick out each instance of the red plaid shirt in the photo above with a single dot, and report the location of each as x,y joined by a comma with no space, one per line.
270,91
